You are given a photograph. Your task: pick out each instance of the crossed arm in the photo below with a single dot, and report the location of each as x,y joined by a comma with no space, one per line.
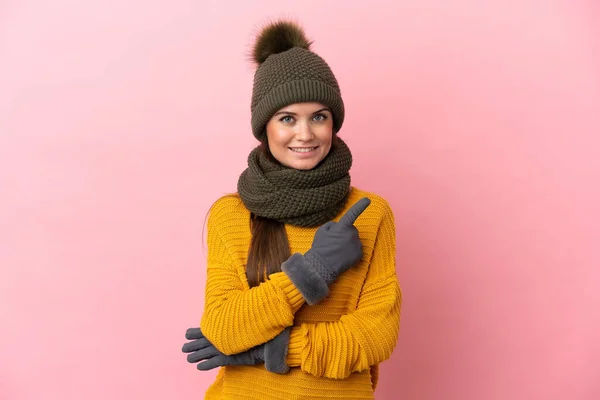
237,319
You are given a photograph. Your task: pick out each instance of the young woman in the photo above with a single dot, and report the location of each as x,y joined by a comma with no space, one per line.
302,298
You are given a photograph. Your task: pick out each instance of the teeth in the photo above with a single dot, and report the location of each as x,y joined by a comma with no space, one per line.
303,150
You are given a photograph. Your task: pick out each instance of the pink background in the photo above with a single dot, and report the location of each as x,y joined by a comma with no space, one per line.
121,122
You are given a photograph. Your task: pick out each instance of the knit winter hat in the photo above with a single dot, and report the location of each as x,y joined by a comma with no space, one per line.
288,72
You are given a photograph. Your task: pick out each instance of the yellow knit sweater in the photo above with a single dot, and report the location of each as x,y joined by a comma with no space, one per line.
336,345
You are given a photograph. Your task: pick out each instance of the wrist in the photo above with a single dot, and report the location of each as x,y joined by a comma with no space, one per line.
258,352
275,353
320,266
303,274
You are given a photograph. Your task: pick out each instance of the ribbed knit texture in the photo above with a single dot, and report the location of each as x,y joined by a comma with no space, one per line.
336,345
293,76
297,197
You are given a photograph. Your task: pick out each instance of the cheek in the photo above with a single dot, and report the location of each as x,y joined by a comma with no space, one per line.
278,138
325,136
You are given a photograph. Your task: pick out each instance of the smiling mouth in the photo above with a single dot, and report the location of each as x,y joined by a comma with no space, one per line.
303,149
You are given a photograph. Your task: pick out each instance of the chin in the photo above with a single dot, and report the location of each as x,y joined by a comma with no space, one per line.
307,165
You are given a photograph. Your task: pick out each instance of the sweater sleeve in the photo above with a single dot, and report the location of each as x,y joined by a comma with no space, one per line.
365,337
237,318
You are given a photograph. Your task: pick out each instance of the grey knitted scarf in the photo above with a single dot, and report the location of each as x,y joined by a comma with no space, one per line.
298,197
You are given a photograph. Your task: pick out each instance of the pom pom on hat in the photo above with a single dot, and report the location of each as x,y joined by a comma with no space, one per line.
277,37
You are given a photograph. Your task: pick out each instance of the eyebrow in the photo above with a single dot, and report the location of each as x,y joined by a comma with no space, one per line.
293,113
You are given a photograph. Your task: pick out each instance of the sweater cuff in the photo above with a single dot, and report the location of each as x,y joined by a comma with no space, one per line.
294,354
292,294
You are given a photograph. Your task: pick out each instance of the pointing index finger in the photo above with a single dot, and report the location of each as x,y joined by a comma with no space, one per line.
352,214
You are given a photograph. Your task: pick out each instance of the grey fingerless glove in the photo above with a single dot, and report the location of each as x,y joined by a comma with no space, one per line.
336,247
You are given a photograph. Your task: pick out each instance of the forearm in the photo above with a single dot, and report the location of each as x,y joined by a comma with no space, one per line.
260,313
354,343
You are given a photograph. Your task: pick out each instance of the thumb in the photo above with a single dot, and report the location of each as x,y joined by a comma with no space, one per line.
327,226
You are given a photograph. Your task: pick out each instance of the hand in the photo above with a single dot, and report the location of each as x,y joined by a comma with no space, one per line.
201,349
336,247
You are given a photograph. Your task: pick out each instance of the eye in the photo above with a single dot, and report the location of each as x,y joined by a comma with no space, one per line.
320,117
287,119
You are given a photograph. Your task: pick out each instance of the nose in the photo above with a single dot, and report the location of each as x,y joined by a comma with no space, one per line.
304,132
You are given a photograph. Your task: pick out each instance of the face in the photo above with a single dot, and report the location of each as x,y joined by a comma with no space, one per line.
300,134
